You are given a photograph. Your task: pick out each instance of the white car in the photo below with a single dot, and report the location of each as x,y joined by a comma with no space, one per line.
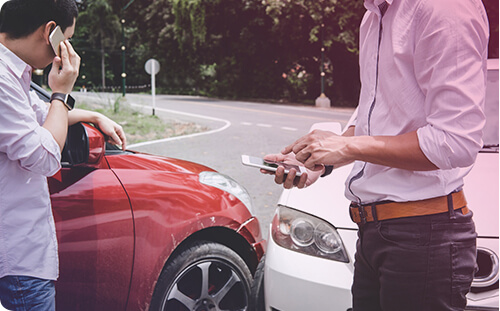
304,271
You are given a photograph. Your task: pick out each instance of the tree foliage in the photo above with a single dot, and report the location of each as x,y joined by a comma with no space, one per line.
97,32
233,48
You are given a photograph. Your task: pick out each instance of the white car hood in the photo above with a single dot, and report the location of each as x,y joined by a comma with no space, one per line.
481,192
325,199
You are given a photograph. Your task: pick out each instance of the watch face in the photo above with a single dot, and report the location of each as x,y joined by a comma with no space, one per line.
67,99
70,101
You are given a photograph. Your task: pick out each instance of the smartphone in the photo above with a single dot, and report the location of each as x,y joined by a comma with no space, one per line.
55,38
271,166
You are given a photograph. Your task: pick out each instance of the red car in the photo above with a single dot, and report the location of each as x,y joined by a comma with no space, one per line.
143,232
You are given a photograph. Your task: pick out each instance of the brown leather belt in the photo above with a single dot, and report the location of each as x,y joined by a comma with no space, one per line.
392,210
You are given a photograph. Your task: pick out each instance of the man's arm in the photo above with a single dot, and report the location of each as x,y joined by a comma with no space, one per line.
320,147
111,129
307,179
62,77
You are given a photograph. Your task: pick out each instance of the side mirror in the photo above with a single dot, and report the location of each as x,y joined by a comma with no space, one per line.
84,145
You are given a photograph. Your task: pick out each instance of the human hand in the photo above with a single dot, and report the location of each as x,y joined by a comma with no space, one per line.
113,131
64,72
320,148
291,179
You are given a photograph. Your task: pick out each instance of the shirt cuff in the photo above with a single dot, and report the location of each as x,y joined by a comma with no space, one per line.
433,144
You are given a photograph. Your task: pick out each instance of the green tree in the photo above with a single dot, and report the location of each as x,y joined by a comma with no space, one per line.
236,48
98,29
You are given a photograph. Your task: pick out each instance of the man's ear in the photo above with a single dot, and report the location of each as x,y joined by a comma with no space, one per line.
47,30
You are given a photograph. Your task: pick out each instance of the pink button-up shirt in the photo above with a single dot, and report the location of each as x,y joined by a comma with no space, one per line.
28,153
422,68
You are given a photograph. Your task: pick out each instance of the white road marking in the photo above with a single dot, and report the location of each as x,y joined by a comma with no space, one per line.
264,125
225,126
289,128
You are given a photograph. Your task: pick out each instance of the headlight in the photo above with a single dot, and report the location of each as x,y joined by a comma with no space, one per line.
304,233
228,185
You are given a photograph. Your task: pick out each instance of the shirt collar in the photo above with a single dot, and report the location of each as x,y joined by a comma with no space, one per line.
372,5
17,65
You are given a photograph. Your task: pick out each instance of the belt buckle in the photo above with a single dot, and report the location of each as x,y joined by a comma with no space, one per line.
361,212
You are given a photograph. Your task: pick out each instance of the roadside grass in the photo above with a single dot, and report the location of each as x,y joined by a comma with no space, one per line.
138,126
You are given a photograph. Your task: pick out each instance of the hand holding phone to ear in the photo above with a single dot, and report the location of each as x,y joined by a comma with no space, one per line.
64,72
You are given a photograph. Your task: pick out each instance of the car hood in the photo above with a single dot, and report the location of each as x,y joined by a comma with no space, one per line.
142,161
481,192
326,199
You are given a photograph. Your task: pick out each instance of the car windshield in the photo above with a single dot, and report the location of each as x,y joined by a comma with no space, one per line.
490,136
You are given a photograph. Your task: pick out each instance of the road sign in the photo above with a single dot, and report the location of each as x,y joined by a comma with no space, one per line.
152,67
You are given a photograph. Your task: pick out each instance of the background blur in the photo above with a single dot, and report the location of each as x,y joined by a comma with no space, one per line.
239,49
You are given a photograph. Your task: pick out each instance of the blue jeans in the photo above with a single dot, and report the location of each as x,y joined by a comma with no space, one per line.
423,263
22,293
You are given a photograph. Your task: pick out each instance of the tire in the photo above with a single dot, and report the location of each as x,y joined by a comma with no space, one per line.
257,300
205,276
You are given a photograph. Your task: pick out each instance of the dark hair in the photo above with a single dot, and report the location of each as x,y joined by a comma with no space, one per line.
20,18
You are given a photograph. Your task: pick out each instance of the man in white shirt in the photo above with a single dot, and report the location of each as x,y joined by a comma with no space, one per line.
417,129
32,136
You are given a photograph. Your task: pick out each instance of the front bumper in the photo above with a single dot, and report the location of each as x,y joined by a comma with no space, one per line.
297,282
487,301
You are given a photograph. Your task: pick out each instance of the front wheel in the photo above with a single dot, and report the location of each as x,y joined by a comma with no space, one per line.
205,276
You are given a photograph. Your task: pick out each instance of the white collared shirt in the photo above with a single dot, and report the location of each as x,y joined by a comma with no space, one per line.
28,153
429,76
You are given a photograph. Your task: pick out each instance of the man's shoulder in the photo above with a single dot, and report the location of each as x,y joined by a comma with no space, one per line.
450,8
8,80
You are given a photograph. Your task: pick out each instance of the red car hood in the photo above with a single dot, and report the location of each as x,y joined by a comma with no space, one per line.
142,161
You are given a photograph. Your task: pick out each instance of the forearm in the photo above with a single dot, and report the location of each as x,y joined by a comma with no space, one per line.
57,122
108,127
349,132
79,115
402,151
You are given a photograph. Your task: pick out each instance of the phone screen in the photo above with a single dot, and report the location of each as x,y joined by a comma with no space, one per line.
286,166
272,166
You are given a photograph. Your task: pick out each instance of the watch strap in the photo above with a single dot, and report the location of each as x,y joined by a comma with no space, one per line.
67,99
328,170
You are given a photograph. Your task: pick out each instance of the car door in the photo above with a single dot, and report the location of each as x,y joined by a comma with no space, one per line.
96,240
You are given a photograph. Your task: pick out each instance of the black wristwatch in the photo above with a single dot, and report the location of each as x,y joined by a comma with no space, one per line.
67,99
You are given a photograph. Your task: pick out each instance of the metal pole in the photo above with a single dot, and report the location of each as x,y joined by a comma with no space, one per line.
322,60
153,84
322,100
124,75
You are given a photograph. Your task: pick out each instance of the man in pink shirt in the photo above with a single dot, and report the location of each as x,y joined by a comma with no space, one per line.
415,135
32,135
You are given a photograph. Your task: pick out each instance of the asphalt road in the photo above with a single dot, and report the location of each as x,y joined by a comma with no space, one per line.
235,128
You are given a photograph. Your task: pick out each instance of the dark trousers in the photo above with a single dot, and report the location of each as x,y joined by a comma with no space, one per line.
423,263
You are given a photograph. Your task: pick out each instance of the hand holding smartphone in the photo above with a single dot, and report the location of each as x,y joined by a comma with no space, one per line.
55,38
271,166
66,65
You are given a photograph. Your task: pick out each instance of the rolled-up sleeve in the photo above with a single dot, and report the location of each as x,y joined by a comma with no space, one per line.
450,67
22,138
